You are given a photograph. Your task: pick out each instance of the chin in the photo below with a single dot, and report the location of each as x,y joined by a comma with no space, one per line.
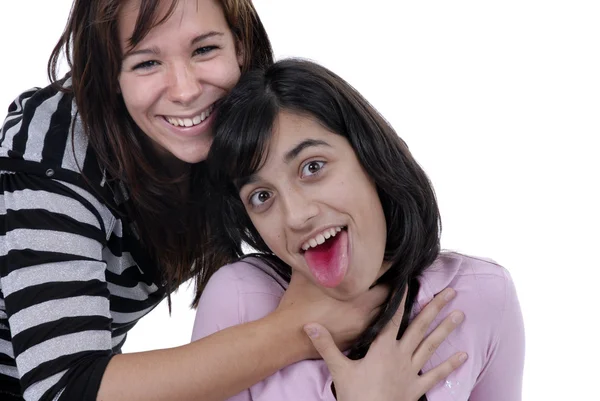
345,293
192,157
349,289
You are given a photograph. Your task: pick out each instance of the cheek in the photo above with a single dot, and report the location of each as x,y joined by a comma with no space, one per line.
272,232
380,226
377,214
223,72
230,77
371,210
138,94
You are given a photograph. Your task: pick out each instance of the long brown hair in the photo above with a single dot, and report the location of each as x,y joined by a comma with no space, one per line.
171,225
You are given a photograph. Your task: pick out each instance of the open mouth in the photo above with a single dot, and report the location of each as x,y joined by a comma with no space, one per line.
322,237
326,255
190,121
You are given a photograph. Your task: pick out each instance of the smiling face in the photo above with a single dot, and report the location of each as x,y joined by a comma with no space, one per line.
171,80
316,208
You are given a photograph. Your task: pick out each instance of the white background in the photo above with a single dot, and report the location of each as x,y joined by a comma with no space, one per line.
500,103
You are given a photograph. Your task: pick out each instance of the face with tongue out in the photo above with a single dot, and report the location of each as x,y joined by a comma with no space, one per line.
316,208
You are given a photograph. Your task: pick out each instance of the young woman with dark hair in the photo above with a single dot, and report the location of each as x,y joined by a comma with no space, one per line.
323,187
102,207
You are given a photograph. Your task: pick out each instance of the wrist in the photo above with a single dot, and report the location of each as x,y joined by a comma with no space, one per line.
289,338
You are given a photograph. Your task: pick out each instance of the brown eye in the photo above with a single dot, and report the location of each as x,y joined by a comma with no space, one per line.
312,168
263,196
259,198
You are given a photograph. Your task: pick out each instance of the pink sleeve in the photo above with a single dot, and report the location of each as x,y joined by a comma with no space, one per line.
218,309
501,377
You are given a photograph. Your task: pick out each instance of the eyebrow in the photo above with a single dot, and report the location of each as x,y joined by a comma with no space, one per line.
155,50
287,158
307,143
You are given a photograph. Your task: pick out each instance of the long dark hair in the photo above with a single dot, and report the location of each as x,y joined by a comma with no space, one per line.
243,129
169,223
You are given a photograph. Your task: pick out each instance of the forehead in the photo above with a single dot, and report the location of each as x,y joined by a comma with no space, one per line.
290,128
291,134
188,17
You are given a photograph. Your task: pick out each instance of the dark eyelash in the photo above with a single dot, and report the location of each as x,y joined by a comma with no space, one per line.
145,64
205,49
151,63
321,165
252,196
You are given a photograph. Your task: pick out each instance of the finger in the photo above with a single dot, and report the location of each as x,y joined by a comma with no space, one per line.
428,380
437,336
418,328
325,346
390,331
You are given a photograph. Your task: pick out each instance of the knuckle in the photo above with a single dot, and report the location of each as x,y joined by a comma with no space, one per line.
447,327
422,328
450,366
438,305
442,375
443,371
432,347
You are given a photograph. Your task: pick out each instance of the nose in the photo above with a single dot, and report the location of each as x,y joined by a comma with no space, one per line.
299,209
183,85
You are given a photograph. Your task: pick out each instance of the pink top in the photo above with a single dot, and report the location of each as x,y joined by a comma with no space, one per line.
492,332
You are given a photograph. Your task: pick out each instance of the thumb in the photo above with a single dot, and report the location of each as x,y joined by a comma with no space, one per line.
325,346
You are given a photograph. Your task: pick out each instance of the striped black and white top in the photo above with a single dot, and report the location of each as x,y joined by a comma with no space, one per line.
73,277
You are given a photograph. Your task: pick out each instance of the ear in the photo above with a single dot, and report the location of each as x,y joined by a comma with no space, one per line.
240,57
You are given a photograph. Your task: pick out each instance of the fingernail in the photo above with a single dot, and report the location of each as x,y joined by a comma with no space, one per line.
450,293
462,357
457,317
312,332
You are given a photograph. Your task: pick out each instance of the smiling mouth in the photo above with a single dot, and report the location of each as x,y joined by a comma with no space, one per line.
190,122
321,237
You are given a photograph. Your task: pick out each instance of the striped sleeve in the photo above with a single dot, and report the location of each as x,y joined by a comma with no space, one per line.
53,287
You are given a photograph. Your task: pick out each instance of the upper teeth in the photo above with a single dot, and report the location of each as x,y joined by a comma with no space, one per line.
320,238
188,122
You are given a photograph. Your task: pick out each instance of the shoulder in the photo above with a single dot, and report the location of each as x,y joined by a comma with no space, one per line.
35,117
250,275
485,293
479,279
42,134
249,286
484,289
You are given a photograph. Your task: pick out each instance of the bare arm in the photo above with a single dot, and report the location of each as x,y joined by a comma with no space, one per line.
227,362
213,368
56,298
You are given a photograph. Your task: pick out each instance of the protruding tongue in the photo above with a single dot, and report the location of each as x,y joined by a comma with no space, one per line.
328,262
